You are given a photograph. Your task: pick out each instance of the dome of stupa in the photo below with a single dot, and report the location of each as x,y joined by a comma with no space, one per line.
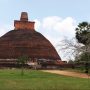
24,40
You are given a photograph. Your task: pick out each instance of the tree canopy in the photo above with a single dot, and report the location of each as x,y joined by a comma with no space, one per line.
83,33
83,36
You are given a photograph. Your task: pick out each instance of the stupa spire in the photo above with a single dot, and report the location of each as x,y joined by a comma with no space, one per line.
24,16
23,23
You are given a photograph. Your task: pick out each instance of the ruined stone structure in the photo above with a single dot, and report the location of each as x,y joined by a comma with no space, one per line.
24,40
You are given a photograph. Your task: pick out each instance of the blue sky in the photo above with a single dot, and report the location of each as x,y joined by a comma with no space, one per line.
55,19
78,9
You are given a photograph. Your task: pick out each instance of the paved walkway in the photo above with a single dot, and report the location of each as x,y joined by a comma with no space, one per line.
68,73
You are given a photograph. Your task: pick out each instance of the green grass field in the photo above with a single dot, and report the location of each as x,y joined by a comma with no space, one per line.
38,80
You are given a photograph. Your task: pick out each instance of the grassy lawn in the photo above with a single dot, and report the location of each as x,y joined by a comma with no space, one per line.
38,80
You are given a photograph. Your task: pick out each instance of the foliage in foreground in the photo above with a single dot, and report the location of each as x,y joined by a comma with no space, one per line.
38,80
22,61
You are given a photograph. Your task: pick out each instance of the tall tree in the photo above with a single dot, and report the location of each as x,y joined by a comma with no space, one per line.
83,33
83,36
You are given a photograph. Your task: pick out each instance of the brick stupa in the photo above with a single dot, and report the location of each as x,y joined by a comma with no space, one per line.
25,41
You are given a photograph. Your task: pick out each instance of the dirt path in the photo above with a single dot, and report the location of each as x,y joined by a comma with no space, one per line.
68,73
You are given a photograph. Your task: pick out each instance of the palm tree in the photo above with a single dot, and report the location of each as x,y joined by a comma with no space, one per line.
83,33
83,36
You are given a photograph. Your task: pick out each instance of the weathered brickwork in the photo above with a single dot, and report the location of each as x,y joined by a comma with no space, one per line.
24,40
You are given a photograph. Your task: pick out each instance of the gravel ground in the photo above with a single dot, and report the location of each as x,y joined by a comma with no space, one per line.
68,73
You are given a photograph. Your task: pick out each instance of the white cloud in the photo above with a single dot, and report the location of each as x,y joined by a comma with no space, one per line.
37,24
50,22
56,29
5,28
66,27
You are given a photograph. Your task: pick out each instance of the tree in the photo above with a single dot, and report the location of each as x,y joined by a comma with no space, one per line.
85,59
70,48
83,33
83,36
22,61
79,45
